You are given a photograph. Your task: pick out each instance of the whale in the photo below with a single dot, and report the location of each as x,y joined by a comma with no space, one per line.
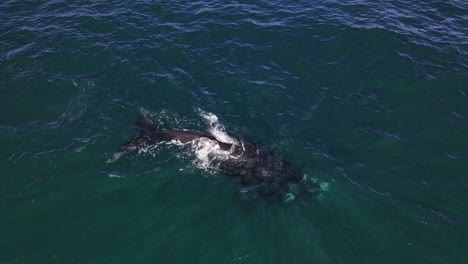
259,170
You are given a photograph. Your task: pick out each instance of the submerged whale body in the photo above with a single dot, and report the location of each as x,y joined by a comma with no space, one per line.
258,169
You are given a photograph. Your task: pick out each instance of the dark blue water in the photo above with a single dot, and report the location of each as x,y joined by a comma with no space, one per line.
368,96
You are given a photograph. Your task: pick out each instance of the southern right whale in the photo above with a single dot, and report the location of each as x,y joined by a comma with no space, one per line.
257,168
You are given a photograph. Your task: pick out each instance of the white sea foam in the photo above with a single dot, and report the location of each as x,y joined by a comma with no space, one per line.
217,129
205,150
114,175
150,149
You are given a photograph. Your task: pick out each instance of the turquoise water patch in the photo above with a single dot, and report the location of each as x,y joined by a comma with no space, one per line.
367,97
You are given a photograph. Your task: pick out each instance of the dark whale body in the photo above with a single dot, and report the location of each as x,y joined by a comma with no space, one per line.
259,170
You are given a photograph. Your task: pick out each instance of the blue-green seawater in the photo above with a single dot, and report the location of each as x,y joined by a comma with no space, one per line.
369,96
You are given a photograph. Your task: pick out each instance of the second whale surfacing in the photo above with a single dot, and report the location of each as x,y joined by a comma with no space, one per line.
258,169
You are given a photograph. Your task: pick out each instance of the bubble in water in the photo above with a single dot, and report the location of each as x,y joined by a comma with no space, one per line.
289,197
324,186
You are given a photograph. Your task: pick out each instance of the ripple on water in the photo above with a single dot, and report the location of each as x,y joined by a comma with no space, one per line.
371,94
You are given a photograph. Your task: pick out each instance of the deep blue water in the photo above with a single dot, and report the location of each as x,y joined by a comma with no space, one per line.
369,96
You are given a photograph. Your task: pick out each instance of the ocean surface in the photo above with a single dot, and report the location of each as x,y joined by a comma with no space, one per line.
368,96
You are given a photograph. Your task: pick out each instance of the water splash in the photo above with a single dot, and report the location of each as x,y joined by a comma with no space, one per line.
206,150
217,129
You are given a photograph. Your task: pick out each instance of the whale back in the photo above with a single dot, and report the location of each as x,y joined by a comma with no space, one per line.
257,169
